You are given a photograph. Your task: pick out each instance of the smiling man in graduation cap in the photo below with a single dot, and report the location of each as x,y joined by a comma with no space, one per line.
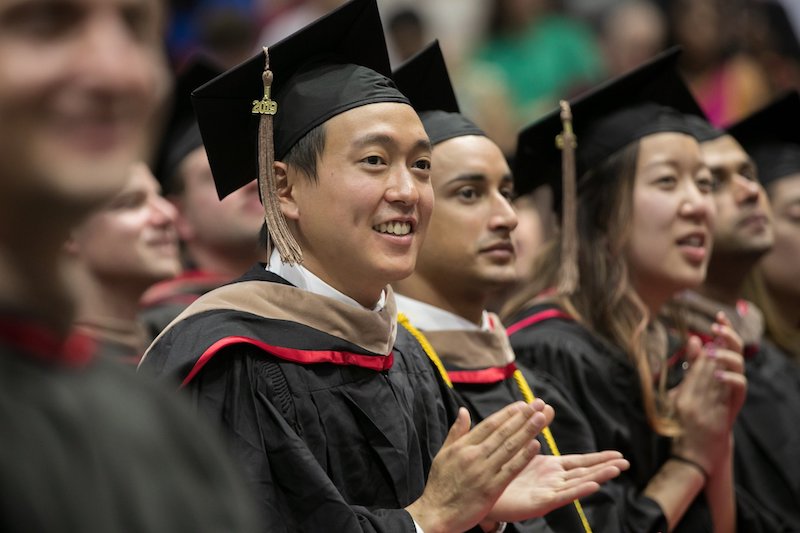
338,416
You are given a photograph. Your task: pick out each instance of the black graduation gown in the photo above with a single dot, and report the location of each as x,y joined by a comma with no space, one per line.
605,388
767,430
767,436
481,366
335,418
88,446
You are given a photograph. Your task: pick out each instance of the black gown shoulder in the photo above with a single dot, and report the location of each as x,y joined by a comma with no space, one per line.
767,438
97,448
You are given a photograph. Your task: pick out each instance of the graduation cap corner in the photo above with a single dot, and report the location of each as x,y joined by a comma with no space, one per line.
425,81
771,136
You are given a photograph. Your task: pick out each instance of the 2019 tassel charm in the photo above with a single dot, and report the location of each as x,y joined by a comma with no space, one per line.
278,233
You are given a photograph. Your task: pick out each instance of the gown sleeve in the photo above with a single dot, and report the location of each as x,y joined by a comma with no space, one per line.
599,416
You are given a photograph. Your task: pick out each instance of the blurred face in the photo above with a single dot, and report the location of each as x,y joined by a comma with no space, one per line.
80,81
743,223
528,236
362,222
673,211
697,28
634,33
780,265
468,246
133,239
204,220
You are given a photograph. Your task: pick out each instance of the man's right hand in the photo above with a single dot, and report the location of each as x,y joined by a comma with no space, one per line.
473,468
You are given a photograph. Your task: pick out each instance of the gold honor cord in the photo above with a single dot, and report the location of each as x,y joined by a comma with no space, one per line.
426,346
527,394
523,386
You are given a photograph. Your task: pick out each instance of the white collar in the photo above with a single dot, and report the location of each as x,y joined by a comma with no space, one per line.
302,278
428,317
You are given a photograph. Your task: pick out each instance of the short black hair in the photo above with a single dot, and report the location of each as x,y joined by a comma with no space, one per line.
305,152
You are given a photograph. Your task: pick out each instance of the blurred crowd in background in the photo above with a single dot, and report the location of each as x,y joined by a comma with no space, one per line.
738,54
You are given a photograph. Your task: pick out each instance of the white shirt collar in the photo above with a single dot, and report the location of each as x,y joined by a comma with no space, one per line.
428,317
302,278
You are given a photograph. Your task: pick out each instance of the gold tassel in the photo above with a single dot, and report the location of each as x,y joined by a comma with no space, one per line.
403,320
278,233
569,276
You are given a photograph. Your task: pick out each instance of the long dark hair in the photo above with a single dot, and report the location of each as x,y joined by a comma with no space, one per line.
605,301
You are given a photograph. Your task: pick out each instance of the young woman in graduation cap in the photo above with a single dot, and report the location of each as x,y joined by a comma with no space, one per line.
637,231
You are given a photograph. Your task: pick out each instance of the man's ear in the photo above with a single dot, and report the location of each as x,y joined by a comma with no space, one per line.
285,182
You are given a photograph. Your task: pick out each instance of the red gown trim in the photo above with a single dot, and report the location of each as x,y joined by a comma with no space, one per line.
76,349
493,374
294,355
535,318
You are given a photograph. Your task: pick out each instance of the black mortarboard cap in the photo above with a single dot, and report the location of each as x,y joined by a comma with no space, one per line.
331,66
182,135
424,80
649,99
702,130
772,138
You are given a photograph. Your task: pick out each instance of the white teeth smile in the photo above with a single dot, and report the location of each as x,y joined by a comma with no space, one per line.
393,228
